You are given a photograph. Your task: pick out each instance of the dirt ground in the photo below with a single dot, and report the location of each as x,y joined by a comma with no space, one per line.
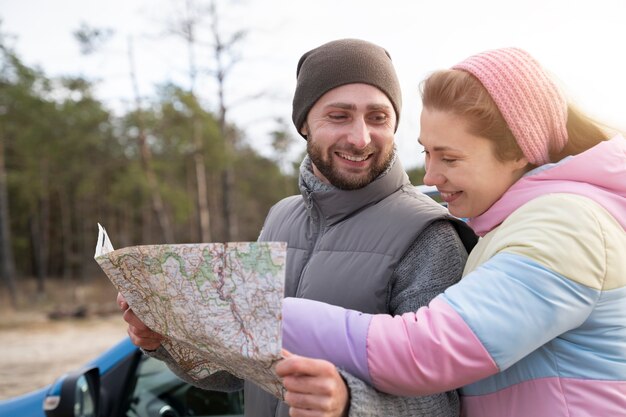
35,349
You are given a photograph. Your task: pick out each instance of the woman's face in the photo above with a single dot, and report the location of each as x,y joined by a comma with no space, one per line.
462,166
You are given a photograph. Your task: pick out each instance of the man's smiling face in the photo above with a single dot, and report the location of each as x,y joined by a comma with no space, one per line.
350,135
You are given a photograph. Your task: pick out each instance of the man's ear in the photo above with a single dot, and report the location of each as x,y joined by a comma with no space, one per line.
304,130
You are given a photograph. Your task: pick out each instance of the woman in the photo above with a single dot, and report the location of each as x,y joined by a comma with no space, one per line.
537,326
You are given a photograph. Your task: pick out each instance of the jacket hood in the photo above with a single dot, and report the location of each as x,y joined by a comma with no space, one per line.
598,173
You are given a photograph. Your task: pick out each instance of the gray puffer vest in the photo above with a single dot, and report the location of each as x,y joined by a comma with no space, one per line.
343,247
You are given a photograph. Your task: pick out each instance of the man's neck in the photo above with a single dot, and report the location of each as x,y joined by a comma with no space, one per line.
310,180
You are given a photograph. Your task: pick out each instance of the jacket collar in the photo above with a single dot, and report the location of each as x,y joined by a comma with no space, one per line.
334,204
598,173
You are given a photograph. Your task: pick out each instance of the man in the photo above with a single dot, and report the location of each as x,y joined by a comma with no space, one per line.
360,235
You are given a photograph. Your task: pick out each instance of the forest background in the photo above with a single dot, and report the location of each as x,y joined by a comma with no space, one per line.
170,168
167,121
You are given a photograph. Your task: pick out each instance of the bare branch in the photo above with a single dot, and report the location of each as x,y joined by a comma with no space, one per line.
90,39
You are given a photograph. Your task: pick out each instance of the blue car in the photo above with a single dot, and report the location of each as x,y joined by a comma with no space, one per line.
122,382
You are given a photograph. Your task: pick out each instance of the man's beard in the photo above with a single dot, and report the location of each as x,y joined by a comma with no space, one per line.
345,181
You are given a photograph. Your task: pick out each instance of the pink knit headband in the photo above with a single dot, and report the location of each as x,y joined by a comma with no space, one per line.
530,102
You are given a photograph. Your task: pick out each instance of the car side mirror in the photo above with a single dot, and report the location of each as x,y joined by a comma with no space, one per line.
76,394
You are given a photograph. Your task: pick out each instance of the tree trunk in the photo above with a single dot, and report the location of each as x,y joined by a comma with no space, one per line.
88,212
40,231
230,221
215,204
228,174
203,202
44,247
66,233
153,186
146,224
146,158
220,48
6,251
38,251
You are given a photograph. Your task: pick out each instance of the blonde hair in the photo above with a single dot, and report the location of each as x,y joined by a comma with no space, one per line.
461,93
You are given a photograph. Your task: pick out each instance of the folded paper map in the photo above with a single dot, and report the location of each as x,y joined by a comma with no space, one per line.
217,304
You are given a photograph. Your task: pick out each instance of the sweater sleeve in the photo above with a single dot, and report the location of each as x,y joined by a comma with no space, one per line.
431,264
366,401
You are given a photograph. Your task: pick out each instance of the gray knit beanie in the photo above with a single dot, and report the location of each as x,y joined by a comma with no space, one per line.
340,62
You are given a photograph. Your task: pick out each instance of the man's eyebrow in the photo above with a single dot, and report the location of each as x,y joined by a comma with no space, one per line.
378,107
340,105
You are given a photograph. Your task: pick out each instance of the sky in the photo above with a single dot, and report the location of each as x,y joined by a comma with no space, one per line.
580,42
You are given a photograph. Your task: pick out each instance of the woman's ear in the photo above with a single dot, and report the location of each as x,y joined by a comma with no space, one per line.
523,165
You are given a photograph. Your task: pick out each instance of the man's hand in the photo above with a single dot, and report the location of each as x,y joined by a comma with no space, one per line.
139,333
314,387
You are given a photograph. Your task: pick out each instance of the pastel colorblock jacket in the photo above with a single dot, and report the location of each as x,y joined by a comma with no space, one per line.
537,326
